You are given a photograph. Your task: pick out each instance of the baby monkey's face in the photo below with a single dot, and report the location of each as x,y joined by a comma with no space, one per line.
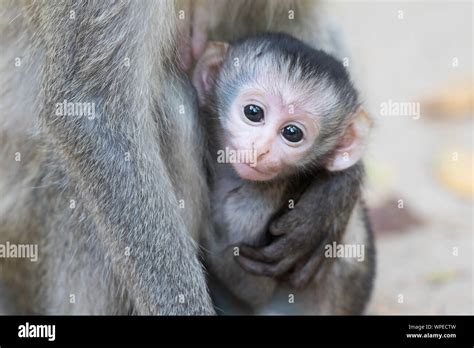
282,112
267,124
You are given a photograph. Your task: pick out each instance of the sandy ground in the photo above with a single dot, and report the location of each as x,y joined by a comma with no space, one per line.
410,59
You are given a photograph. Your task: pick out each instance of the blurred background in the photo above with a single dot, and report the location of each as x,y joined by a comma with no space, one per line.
404,56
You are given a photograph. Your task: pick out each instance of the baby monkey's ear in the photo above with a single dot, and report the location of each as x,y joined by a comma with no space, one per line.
352,144
207,68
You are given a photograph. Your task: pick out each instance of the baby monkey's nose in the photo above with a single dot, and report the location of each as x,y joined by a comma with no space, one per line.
260,156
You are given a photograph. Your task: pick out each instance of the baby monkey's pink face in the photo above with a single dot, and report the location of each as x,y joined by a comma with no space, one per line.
274,131
273,122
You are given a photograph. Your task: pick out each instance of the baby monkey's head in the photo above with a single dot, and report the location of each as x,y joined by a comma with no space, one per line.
292,106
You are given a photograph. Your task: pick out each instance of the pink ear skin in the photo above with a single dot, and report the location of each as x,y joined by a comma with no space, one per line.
192,34
207,68
184,52
200,26
198,43
353,142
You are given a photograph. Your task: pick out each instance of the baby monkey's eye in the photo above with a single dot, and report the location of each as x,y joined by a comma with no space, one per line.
253,112
292,133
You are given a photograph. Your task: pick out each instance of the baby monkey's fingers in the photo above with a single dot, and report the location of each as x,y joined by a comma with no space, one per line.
305,272
288,222
265,269
277,250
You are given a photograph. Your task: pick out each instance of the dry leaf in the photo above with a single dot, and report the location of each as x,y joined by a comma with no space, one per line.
454,169
454,101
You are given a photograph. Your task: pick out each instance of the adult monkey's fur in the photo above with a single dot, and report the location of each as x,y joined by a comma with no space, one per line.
120,205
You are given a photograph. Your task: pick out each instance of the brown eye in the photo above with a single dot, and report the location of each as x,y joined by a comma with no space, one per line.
292,133
254,113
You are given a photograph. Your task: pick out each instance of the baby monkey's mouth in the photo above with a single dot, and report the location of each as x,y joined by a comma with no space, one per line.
249,172
254,167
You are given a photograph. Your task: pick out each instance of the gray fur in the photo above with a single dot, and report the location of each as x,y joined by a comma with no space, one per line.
119,204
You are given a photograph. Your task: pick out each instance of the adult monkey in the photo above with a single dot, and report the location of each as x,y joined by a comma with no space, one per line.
101,196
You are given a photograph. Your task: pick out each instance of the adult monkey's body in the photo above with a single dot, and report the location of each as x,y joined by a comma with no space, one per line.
124,245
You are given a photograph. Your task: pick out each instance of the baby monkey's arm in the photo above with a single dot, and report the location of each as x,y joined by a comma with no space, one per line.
319,217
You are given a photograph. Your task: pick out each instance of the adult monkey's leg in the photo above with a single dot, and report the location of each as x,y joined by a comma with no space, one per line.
115,56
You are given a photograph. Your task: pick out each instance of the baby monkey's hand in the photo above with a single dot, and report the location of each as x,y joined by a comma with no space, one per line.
319,218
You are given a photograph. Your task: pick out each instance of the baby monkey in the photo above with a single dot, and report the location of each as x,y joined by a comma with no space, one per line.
279,114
